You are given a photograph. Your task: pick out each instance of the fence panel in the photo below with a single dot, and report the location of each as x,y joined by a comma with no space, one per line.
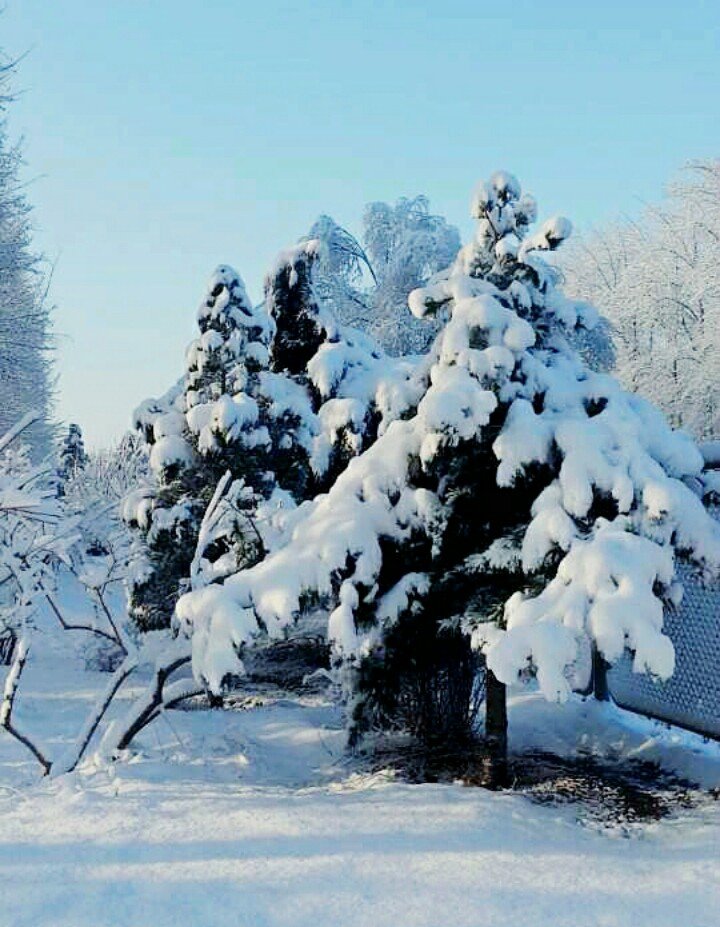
691,697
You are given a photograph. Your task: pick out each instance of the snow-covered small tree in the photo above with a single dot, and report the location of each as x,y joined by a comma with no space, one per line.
525,506
33,539
209,424
250,405
72,456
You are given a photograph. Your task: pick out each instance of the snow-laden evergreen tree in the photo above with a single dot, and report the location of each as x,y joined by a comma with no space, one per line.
368,284
306,394
352,387
261,400
210,424
73,457
524,508
26,378
657,279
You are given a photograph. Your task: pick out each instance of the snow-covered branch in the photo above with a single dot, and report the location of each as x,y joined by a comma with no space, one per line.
8,703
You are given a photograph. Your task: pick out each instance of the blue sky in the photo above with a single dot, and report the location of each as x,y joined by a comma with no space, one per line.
166,136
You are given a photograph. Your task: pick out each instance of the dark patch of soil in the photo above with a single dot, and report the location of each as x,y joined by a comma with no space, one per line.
607,794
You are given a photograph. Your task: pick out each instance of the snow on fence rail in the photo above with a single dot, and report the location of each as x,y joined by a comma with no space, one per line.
691,697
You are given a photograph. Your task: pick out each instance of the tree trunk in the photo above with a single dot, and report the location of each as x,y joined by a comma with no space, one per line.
599,677
215,701
494,768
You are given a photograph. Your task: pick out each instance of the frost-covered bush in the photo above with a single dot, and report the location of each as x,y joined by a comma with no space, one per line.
95,491
519,501
92,496
93,484
34,534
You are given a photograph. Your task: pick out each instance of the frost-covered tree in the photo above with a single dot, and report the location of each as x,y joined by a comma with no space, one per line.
406,245
95,491
522,507
658,280
32,541
368,284
26,378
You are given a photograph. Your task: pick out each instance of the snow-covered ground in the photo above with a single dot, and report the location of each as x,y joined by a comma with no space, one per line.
248,818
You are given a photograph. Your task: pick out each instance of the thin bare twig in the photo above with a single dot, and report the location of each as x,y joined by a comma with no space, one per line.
77,751
83,627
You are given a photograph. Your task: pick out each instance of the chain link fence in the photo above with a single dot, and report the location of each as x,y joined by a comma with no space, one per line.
691,697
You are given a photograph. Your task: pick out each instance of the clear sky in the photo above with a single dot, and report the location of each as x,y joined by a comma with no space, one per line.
167,136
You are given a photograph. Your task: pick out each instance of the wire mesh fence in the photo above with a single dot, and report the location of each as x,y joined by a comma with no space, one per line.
691,697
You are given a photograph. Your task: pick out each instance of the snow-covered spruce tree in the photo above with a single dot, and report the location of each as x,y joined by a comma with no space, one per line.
26,378
72,456
262,399
209,425
312,405
526,502
350,387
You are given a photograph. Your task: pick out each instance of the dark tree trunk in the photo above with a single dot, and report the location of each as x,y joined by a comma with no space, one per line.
599,677
494,771
215,701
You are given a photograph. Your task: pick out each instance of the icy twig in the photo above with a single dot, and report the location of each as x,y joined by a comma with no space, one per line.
69,761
